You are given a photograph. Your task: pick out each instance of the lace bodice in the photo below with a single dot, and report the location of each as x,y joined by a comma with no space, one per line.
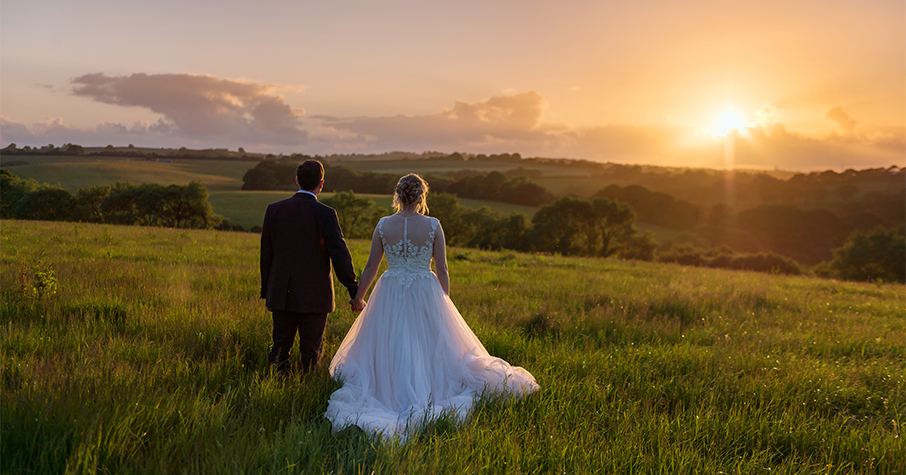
406,260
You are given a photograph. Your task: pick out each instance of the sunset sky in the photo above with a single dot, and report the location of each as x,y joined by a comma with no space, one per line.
801,84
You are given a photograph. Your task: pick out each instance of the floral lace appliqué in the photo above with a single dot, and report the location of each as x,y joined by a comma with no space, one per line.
406,261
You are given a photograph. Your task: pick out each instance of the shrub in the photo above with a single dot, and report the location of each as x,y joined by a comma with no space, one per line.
725,258
878,254
358,215
47,203
765,262
12,189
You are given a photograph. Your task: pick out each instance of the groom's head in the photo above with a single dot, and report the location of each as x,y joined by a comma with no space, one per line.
309,175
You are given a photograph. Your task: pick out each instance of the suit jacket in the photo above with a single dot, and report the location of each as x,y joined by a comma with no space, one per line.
300,239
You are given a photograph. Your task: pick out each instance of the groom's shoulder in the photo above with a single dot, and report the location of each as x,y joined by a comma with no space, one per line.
298,200
323,207
319,209
279,204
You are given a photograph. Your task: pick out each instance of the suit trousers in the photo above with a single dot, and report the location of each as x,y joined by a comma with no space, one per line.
310,327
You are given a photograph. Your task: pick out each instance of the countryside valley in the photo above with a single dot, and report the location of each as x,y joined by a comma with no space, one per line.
134,344
770,221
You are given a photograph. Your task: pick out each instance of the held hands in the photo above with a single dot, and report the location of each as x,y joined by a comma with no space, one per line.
357,305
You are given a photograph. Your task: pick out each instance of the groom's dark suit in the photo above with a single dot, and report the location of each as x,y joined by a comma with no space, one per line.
299,240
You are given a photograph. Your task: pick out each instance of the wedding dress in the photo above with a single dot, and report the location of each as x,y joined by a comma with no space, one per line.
410,356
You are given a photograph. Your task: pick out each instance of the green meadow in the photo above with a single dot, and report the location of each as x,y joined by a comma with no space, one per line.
247,207
222,178
143,350
73,173
440,167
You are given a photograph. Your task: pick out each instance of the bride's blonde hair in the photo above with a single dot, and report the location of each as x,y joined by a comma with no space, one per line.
411,192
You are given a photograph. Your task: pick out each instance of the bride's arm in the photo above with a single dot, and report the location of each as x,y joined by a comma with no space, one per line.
371,268
440,260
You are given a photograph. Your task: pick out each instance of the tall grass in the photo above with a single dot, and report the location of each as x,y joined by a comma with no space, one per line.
149,357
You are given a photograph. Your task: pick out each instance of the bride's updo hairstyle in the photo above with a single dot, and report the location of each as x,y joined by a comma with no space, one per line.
411,192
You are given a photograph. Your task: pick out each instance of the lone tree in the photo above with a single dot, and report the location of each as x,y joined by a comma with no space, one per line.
600,227
358,215
878,254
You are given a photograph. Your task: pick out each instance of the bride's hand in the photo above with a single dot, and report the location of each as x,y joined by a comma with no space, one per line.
357,305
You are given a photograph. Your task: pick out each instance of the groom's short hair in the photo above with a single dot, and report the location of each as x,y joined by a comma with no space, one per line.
310,173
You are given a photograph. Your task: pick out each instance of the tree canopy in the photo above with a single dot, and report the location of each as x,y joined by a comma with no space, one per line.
147,204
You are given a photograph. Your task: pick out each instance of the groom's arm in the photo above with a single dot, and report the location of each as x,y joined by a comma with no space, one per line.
267,251
339,253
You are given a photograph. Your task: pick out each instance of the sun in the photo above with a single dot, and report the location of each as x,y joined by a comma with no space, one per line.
729,119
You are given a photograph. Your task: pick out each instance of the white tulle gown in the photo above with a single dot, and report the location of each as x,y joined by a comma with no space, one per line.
410,355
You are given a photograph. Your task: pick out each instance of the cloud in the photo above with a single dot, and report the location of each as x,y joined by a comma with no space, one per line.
495,123
12,132
513,123
856,133
768,116
775,146
838,115
516,123
205,112
201,106
55,131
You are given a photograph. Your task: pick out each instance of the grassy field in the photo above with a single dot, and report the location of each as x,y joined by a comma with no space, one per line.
439,167
247,207
223,175
73,173
222,178
150,358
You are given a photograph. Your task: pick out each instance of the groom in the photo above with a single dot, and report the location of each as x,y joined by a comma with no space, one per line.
300,239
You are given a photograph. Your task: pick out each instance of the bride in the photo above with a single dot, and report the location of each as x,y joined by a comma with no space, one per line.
410,356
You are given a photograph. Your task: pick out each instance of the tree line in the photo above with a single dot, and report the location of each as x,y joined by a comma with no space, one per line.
147,204
654,207
603,227
494,186
808,235
805,231
877,255
568,226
